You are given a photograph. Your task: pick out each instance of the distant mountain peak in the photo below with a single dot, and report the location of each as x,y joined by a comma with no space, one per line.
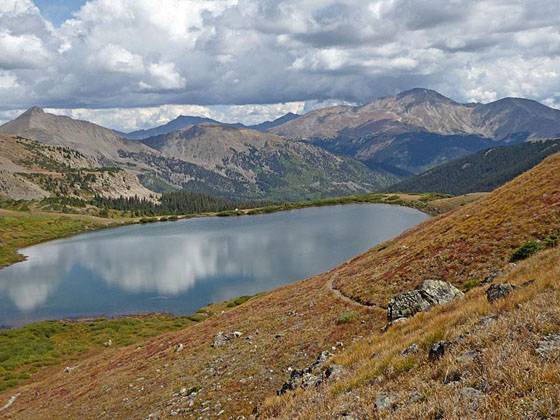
423,95
34,110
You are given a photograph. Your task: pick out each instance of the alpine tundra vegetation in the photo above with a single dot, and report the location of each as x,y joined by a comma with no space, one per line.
280,209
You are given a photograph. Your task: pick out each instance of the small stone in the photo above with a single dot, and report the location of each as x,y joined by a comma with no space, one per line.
467,356
310,380
488,320
237,334
220,339
415,396
527,283
437,350
179,347
279,335
471,395
491,277
384,401
108,343
549,345
413,348
498,291
323,357
334,372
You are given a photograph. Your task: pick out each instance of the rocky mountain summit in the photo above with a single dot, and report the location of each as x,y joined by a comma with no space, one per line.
420,128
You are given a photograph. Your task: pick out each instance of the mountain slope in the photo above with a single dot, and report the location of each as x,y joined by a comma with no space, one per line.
218,159
32,170
266,164
426,110
96,142
385,131
482,171
267,125
178,123
287,328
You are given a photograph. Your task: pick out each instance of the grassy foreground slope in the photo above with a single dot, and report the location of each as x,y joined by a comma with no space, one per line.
287,328
492,368
465,245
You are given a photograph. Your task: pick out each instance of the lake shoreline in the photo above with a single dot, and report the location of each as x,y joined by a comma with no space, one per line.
370,225
417,201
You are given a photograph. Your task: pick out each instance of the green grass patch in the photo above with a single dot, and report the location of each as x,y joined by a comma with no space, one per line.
346,317
471,284
25,350
28,229
238,301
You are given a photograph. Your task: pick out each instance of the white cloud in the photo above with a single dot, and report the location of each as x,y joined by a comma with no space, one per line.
8,80
165,76
145,53
114,58
21,51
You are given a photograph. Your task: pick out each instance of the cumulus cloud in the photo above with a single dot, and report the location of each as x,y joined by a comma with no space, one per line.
220,54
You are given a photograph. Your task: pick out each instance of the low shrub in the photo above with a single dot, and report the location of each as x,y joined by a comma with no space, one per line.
346,317
526,250
471,284
238,301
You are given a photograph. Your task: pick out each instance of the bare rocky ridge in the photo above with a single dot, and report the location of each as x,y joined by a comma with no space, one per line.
98,143
427,110
31,170
420,128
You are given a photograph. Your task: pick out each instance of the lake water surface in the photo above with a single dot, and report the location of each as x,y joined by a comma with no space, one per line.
181,266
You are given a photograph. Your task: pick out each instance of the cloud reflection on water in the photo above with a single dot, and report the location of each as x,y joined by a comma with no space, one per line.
171,259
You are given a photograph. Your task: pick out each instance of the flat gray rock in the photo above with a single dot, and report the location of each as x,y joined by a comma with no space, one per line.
428,294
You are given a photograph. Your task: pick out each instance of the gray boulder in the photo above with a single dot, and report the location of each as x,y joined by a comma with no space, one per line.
439,292
220,339
549,345
499,291
406,304
428,294
438,350
384,401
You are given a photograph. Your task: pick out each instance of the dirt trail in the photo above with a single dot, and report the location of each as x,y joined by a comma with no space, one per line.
330,285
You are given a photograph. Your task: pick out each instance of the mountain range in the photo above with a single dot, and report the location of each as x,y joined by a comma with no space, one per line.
330,151
184,121
226,160
420,128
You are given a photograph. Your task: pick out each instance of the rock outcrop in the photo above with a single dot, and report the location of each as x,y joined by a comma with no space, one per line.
428,294
499,291
313,375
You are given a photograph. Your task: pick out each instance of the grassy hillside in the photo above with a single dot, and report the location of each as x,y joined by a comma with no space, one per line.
482,171
492,368
465,245
287,329
21,229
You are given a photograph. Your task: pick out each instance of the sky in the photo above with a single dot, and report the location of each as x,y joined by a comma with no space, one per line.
130,64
